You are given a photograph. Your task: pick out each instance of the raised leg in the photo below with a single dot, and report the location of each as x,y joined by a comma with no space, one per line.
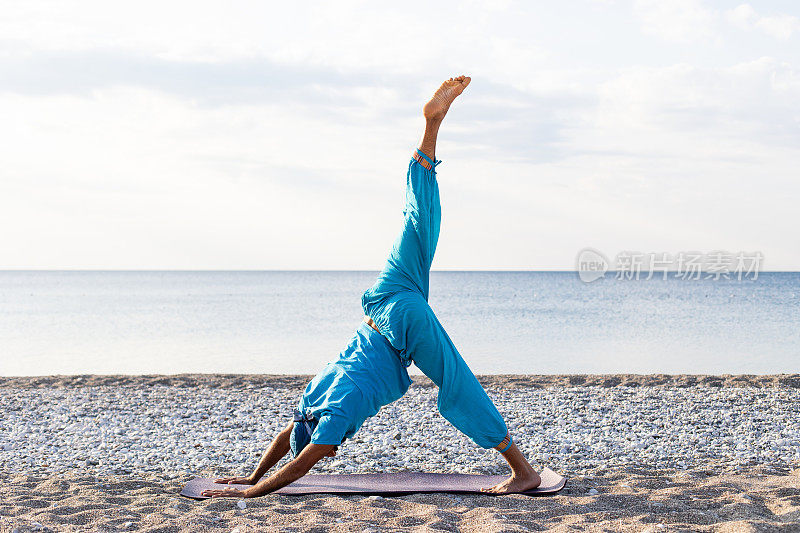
409,262
435,110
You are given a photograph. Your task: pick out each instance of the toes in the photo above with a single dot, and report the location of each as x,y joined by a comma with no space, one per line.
463,80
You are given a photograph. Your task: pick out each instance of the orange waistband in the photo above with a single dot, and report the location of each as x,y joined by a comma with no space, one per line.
371,324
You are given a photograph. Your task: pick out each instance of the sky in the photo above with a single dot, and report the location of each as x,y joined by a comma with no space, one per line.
259,135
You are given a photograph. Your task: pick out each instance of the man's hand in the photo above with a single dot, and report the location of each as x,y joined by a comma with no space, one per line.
230,492
291,471
224,493
236,480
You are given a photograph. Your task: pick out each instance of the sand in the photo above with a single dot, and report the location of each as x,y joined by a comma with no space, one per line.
700,497
626,501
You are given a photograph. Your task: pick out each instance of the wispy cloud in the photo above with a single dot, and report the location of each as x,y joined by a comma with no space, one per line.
780,26
678,20
273,136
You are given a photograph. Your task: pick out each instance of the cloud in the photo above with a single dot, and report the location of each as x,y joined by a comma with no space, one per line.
746,101
80,72
258,136
681,21
688,21
522,119
778,26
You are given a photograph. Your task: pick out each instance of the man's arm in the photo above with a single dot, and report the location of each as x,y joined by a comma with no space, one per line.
277,449
291,471
275,452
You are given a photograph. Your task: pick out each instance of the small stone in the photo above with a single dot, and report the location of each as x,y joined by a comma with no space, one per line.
376,498
592,492
126,525
241,505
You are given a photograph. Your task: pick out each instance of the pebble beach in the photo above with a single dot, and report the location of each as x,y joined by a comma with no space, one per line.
660,453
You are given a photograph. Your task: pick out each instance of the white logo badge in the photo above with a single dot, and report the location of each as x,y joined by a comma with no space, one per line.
591,265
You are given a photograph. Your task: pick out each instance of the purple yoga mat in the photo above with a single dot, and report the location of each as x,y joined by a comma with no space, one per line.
386,484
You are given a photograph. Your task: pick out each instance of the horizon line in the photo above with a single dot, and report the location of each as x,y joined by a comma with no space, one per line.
331,270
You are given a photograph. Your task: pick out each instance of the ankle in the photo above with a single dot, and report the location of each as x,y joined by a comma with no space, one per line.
522,469
528,473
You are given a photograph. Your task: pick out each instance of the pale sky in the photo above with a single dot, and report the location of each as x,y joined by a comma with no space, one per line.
255,135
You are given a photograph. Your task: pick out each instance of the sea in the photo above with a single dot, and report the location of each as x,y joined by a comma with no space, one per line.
294,322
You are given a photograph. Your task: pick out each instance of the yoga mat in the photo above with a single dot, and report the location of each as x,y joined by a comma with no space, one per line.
386,484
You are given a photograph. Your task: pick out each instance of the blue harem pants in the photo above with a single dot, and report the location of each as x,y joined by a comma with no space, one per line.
398,304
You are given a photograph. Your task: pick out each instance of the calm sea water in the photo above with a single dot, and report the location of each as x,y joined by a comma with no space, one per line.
294,322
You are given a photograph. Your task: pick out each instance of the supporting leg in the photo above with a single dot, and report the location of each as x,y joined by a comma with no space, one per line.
523,476
463,401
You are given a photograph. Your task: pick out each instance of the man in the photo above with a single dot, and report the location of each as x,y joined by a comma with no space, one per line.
399,328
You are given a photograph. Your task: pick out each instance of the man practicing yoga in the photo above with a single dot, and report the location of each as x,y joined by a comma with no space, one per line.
399,328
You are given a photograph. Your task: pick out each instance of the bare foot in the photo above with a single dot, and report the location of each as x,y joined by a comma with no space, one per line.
517,483
437,108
